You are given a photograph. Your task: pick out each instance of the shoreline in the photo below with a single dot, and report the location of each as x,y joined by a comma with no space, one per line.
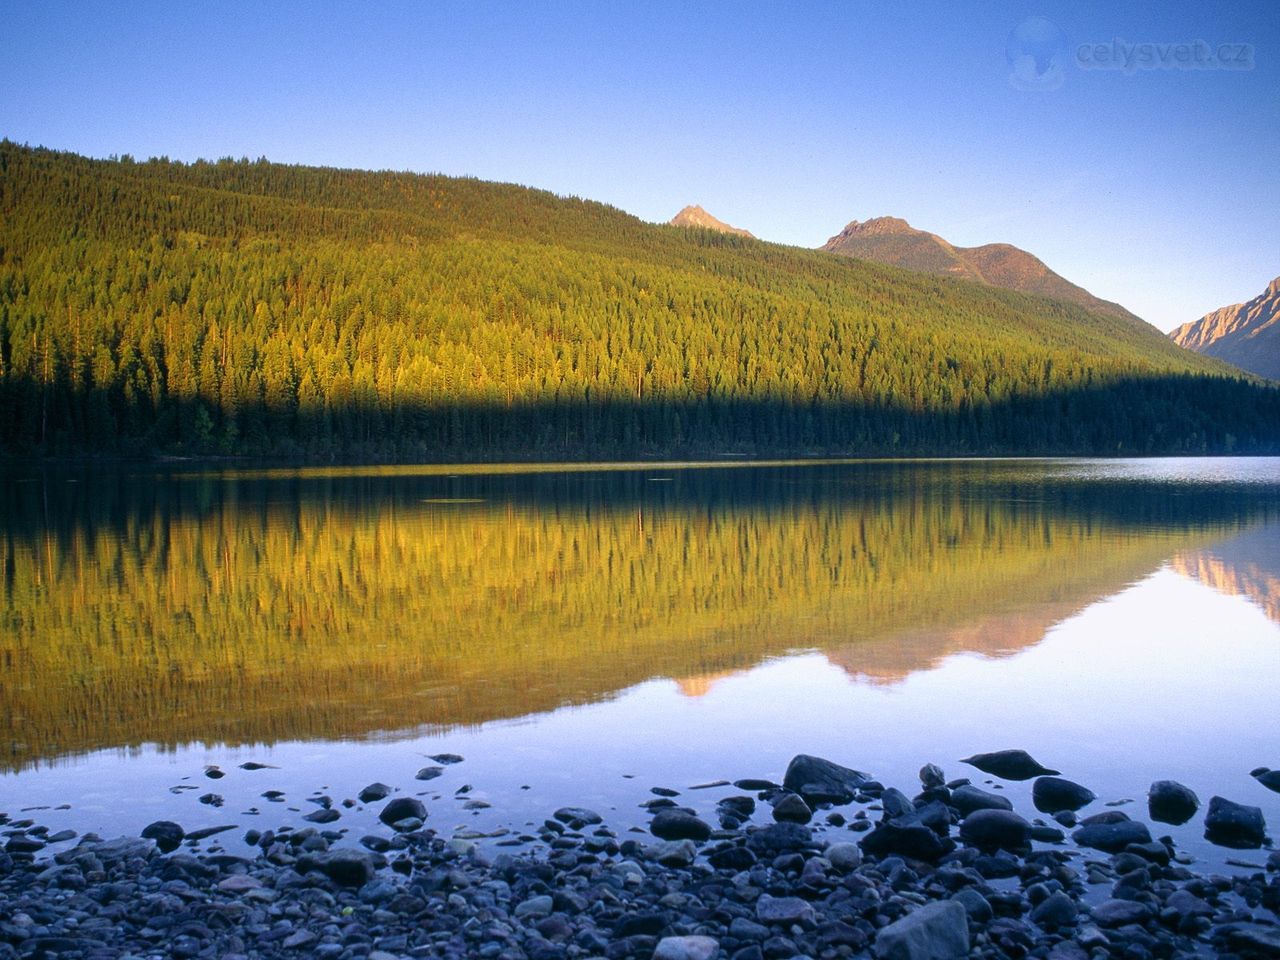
829,864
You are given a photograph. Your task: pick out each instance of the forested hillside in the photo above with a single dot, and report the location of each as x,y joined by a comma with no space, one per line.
249,307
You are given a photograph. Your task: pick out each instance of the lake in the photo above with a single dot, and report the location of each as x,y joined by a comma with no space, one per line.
581,633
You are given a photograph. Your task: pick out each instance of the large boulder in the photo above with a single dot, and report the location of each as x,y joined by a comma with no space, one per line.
1051,794
1267,777
1009,765
821,781
992,830
1171,802
936,931
1235,825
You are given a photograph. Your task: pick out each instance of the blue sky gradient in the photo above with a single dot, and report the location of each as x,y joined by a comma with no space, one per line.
1158,188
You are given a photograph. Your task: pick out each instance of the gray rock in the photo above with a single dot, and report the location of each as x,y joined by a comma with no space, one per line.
975,904
968,798
1009,765
1171,802
1056,910
374,792
821,781
1112,837
1051,794
932,777
1267,777
935,931
779,838
1234,825
403,808
349,868
791,808
678,825
844,856
540,906
428,773
675,853
1119,913
1253,940
995,830
578,815
165,833
785,910
914,840
743,929
686,948
896,804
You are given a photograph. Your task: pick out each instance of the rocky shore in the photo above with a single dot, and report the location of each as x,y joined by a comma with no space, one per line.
828,864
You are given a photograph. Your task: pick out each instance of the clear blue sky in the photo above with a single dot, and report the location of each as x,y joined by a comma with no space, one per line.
1159,188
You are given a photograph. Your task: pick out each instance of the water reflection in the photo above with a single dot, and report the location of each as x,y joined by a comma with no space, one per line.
294,605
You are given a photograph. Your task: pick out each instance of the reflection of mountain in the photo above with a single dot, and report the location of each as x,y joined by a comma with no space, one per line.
267,610
1244,566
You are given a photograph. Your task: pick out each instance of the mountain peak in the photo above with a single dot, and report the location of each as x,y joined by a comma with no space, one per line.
894,241
1245,334
694,216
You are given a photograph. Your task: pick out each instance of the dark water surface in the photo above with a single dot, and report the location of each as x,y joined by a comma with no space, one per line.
581,634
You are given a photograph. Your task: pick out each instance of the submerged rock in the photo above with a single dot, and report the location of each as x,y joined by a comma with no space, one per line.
374,792
1236,825
1171,802
1009,765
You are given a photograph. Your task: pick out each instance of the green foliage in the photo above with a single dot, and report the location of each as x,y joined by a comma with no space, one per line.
249,307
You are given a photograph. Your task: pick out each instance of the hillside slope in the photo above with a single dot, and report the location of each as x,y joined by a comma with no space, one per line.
1246,335
892,240
250,307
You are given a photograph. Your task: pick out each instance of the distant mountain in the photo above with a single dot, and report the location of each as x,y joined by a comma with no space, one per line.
695,216
893,240
1245,334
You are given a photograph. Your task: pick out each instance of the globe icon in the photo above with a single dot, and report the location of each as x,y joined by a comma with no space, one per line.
1037,55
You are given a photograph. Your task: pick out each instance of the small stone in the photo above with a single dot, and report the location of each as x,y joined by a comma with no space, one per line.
373,792
1119,913
428,773
785,910
445,758
968,798
675,853
578,815
687,948
540,906
844,856
975,904
1056,910
323,815
932,777
1111,837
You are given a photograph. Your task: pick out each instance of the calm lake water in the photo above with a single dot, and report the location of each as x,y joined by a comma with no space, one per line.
581,634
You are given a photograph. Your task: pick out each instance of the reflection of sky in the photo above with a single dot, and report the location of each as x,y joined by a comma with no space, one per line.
1167,679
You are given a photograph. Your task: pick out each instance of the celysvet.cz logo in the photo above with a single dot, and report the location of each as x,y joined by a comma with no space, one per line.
1190,55
1040,55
